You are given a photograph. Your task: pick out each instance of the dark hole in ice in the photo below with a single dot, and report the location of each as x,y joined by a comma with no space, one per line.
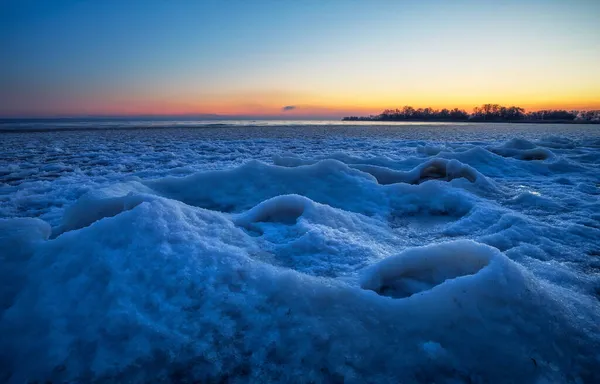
439,171
282,214
528,156
424,275
281,218
432,173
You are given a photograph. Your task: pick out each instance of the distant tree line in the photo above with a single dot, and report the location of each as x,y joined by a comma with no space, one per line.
485,113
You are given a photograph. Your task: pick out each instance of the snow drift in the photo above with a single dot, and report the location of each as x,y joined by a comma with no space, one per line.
394,261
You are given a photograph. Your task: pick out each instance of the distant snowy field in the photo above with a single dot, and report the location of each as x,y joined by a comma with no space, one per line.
278,252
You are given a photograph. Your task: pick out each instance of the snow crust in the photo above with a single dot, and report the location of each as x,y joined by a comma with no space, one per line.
387,261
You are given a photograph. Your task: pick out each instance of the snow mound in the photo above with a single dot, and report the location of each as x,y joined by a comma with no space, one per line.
23,229
234,190
183,299
315,267
18,237
432,198
281,209
433,169
448,170
88,210
98,204
297,233
523,150
505,163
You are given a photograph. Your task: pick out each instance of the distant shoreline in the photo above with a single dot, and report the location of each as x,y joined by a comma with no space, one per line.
487,113
366,119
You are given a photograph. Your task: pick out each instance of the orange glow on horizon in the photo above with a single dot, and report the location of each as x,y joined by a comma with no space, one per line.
167,108
302,105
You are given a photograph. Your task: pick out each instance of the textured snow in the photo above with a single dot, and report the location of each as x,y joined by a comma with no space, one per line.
433,253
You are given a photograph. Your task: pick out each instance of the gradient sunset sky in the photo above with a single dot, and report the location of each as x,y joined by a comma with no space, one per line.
318,58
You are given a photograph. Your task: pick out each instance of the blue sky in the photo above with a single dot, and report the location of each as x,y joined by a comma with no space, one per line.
324,57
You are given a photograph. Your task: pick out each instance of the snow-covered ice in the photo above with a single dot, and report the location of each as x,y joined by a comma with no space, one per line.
301,253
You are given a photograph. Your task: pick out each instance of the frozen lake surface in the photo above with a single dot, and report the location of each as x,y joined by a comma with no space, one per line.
299,252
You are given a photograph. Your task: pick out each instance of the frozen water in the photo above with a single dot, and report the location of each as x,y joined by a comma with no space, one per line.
282,252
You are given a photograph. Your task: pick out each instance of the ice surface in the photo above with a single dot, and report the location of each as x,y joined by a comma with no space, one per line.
288,254
522,150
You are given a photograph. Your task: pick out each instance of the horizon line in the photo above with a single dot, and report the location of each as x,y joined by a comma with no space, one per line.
215,116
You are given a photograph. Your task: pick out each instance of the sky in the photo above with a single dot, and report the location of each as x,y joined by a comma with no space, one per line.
294,59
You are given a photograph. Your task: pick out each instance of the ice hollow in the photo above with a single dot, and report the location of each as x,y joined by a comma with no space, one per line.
446,169
434,169
90,209
280,209
420,269
384,172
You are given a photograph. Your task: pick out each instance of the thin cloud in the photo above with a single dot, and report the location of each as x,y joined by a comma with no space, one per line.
288,108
